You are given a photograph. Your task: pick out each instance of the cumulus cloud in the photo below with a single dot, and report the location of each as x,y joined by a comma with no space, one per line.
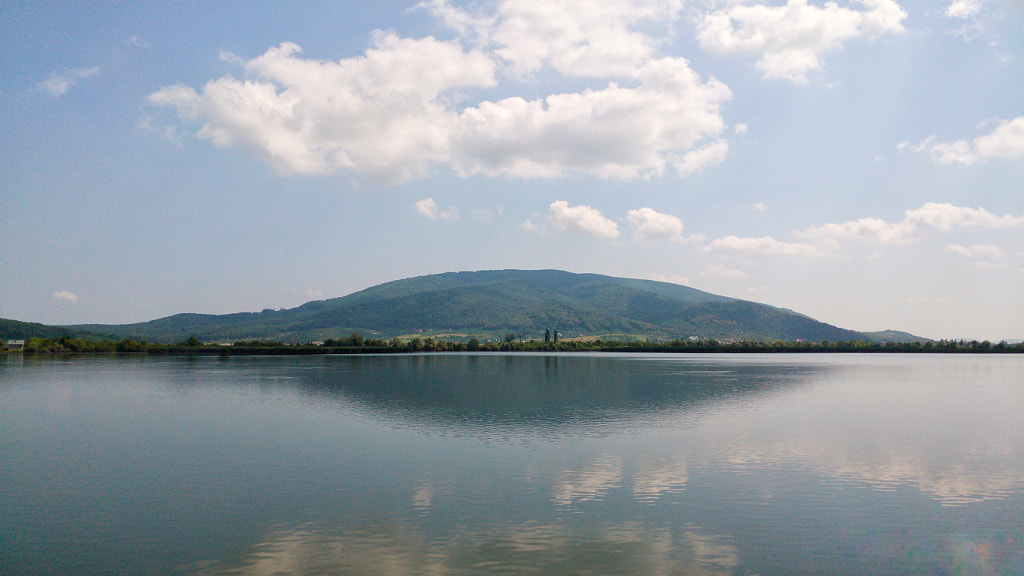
823,240
648,224
428,207
793,39
1006,141
974,19
580,219
976,251
674,279
486,213
309,293
614,132
722,272
474,27
401,108
582,38
931,216
60,82
65,296
171,133
964,8
592,38
384,114
713,153
763,246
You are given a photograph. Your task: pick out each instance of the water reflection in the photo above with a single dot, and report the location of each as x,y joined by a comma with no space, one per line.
588,483
987,474
656,477
647,478
859,431
469,464
950,428
540,394
620,548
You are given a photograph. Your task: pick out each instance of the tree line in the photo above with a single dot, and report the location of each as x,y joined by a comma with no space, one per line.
357,344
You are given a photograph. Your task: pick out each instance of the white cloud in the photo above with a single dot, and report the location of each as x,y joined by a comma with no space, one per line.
674,279
394,112
764,246
60,82
976,251
648,224
469,26
311,294
864,229
428,207
1006,141
822,240
709,155
591,38
383,115
759,206
722,272
931,216
615,132
581,219
793,39
65,296
946,216
582,38
975,20
486,213
171,133
740,128
964,8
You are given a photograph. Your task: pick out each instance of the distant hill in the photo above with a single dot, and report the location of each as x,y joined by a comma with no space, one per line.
893,336
13,329
490,304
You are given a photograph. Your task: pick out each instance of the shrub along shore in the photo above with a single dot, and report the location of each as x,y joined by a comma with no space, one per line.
355,344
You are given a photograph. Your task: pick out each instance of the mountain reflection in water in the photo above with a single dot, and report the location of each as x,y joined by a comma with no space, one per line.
540,394
513,464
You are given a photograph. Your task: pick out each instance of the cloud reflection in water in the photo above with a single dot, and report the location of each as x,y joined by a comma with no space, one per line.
621,548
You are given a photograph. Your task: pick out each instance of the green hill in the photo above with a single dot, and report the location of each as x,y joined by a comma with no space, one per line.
893,336
490,304
15,330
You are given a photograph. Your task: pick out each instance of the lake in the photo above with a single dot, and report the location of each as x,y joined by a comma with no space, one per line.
520,463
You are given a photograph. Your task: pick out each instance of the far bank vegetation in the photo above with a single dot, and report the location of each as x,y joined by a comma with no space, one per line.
355,343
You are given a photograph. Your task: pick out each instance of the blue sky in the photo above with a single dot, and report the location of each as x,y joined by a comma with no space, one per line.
861,162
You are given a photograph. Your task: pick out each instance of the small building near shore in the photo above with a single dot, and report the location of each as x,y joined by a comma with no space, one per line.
15,345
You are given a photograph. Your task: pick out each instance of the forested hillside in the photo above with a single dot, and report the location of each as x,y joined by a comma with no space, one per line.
492,304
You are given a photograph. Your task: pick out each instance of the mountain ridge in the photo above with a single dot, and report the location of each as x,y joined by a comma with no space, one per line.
489,304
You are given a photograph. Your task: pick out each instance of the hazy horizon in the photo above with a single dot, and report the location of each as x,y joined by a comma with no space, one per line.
857,161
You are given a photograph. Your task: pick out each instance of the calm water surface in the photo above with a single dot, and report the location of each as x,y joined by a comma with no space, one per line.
513,464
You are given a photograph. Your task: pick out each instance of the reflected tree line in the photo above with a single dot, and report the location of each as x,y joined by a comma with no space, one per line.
357,344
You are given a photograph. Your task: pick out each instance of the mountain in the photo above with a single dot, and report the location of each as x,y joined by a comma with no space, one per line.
15,330
893,336
490,304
